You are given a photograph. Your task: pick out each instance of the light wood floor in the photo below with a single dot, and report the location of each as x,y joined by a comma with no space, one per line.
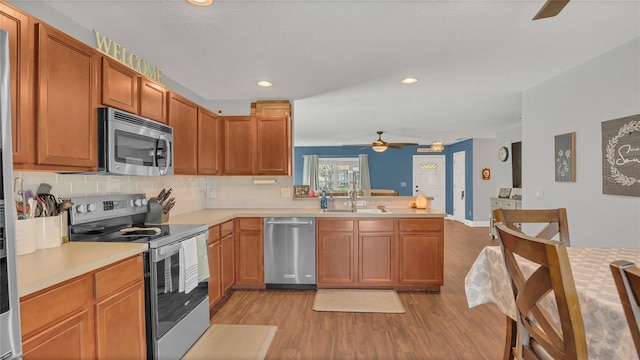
435,326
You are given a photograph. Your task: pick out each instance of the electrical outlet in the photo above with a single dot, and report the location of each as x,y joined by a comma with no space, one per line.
403,184
285,192
212,194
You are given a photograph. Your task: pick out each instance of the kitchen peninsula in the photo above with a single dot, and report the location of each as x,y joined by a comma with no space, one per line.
402,249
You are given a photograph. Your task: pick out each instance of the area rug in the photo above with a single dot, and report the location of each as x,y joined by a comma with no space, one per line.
237,342
376,301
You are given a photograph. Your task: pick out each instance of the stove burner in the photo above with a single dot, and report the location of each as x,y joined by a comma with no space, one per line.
88,229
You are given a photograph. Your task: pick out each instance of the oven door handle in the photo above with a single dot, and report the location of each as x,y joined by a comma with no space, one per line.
169,249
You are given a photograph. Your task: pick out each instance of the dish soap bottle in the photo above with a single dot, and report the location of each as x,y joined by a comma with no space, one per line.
323,200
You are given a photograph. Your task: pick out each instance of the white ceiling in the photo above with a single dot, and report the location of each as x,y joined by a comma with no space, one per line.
341,62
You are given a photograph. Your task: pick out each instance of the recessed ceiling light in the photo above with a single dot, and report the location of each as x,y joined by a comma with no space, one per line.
200,2
409,81
264,84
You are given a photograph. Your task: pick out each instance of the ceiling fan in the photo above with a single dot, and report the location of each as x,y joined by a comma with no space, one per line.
551,8
381,145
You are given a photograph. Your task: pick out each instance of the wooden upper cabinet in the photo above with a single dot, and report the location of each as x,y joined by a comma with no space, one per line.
119,86
153,100
67,79
18,26
183,117
273,145
209,143
239,145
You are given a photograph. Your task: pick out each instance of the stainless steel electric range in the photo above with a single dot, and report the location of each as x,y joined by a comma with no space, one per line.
175,319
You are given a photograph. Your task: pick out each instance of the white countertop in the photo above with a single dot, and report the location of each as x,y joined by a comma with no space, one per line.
216,216
47,267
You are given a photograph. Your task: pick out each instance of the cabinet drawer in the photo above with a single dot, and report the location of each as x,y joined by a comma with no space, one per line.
54,304
420,225
118,276
509,205
335,225
214,234
226,228
386,225
250,223
495,204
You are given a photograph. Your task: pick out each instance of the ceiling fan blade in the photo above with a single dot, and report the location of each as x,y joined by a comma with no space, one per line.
551,8
394,145
365,145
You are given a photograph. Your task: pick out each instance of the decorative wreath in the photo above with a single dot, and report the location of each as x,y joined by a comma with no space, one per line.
617,176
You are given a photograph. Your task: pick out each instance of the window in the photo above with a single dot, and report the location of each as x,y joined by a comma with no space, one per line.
336,174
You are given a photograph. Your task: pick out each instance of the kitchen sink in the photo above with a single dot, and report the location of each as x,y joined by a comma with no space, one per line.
365,211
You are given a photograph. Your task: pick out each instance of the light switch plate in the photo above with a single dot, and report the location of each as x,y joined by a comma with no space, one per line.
540,193
212,194
403,184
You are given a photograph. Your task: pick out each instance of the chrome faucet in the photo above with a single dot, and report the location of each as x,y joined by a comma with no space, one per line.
353,195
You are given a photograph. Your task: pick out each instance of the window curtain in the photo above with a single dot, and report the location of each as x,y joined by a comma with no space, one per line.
310,171
365,179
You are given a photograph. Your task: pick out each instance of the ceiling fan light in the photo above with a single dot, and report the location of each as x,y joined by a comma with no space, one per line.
437,146
379,148
409,81
200,2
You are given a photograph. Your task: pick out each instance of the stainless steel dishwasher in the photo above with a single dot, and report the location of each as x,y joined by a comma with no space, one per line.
290,253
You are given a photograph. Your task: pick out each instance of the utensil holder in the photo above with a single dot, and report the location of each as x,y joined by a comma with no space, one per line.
26,233
49,232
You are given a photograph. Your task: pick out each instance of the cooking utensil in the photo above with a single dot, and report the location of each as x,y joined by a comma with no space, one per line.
44,188
64,205
166,196
162,194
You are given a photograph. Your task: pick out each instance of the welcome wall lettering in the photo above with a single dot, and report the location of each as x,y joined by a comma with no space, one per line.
118,52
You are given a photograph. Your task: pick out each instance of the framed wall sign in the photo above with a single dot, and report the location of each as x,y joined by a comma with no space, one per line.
565,157
621,156
504,193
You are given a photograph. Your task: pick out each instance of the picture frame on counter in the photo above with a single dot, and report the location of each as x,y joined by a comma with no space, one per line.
504,193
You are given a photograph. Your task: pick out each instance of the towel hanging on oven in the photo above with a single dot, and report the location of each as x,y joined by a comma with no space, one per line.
188,265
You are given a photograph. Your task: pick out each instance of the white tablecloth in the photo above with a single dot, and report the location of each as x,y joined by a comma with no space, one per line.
606,329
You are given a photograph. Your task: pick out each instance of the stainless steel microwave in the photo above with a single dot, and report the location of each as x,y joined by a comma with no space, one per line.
132,145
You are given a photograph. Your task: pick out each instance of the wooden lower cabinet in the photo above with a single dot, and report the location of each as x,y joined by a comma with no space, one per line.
403,254
120,325
249,253
228,256
214,256
71,338
100,315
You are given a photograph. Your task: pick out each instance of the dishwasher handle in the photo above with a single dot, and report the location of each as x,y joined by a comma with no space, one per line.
289,222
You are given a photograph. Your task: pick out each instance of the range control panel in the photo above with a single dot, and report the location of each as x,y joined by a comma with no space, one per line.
93,208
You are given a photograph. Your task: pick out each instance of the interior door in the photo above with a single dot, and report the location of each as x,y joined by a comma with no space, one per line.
429,178
459,195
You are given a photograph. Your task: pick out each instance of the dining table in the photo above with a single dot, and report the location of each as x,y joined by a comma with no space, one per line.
606,329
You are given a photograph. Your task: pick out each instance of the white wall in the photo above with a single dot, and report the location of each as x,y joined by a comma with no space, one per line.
503,178
604,88
483,157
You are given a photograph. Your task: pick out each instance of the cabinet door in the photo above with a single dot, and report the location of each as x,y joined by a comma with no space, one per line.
66,100
336,258
119,86
153,100
228,266
273,152
376,259
71,338
120,325
249,253
18,25
209,143
183,117
239,145
214,253
420,258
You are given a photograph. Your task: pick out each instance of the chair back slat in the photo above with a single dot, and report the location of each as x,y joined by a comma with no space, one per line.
537,330
554,220
626,275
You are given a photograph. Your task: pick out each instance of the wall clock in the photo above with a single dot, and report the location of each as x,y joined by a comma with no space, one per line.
503,153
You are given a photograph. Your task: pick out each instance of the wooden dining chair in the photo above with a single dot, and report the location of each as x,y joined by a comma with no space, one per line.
626,275
537,335
555,221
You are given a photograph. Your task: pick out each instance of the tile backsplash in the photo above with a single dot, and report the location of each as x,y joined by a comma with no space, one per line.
192,193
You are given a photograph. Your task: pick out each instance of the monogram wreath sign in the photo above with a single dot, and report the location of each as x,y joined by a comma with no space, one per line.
621,156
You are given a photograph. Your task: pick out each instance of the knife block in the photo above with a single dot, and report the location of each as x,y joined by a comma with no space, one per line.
154,212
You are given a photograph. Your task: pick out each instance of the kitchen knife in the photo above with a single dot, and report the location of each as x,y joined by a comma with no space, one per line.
168,208
162,194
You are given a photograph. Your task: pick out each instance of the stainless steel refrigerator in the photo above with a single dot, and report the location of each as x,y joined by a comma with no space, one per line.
10,340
